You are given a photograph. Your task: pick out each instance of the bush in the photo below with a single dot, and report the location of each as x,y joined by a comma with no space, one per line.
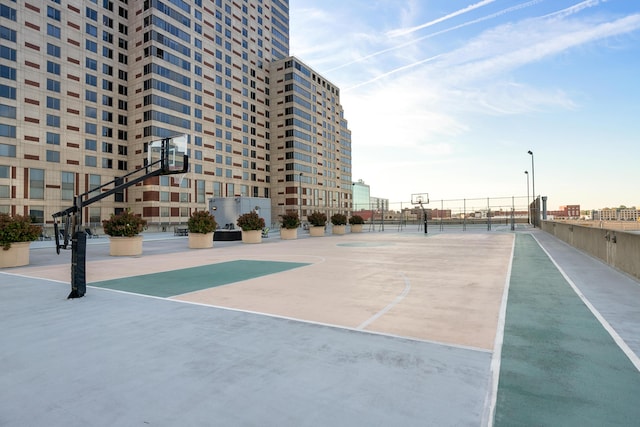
16,229
339,219
356,219
317,219
125,224
202,222
250,221
290,220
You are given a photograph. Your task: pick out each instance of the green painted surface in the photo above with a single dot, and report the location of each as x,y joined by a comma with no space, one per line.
178,282
559,365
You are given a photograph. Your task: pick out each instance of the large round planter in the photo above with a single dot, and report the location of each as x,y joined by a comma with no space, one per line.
252,236
200,240
316,230
16,256
356,228
288,233
125,246
339,229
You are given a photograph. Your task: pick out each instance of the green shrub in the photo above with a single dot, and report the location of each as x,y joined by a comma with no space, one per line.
125,224
339,219
250,221
356,219
16,229
202,222
290,220
317,219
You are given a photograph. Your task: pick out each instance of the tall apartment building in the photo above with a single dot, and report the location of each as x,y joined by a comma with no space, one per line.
85,86
310,142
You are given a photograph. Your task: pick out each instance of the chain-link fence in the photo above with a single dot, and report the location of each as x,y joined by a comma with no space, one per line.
459,213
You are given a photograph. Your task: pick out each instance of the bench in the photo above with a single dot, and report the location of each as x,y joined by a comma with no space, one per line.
180,231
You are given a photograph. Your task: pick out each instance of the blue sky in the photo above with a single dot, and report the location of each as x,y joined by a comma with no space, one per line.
447,96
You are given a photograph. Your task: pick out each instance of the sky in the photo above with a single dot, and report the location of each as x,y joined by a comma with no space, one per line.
446,97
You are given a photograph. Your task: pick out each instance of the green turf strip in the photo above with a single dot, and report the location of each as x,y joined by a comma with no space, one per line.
559,365
176,282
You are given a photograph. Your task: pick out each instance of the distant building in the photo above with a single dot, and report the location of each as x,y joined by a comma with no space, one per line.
616,214
361,196
565,212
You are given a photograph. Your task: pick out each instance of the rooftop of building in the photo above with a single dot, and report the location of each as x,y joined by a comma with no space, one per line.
385,327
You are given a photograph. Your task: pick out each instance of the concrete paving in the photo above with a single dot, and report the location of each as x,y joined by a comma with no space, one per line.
382,328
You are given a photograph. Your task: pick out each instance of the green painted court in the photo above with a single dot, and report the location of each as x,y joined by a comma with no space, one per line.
171,283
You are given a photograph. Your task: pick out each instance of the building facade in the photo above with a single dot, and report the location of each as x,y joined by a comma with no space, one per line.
85,86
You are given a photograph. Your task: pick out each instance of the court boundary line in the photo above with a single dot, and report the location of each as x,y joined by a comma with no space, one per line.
631,355
328,325
496,358
34,277
294,319
403,294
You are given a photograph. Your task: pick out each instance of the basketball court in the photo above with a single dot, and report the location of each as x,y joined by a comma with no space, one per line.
446,288
378,328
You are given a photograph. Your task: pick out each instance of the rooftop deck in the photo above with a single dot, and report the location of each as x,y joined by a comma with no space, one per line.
380,328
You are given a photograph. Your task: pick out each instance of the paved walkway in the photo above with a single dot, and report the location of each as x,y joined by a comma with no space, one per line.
401,332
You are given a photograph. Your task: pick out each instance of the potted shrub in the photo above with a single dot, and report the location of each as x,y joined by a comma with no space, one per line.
290,223
16,234
339,222
251,225
318,220
124,233
201,225
356,222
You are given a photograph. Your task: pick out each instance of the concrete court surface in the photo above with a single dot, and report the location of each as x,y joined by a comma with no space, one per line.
377,329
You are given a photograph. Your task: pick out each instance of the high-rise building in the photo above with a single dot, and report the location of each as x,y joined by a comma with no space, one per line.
85,86
310,142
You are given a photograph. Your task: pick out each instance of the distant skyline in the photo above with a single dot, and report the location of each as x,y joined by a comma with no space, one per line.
446,97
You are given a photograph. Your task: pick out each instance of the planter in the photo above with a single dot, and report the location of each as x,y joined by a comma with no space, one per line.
316,231
16,256
200,240
356,228
125,246
339,229
252,236
288,233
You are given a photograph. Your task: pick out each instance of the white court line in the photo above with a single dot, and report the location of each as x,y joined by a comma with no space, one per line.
607,326
496,357
405,291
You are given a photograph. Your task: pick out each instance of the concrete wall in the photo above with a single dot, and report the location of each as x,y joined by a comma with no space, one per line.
619,249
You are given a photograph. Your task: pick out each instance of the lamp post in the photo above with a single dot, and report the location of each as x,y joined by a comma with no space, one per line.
528,207
300,197
533,182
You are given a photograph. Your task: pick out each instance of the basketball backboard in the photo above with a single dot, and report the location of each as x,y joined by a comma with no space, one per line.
169,154
420,199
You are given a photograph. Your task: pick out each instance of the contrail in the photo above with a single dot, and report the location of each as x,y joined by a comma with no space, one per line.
428,36
564,12
396,70
403,31
575,8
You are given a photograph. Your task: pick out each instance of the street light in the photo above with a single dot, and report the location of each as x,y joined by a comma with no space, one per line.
533,184
528,207
300,191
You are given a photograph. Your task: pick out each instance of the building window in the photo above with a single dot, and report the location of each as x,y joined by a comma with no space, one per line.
68,181
36,184
53,31
53,156
53,138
